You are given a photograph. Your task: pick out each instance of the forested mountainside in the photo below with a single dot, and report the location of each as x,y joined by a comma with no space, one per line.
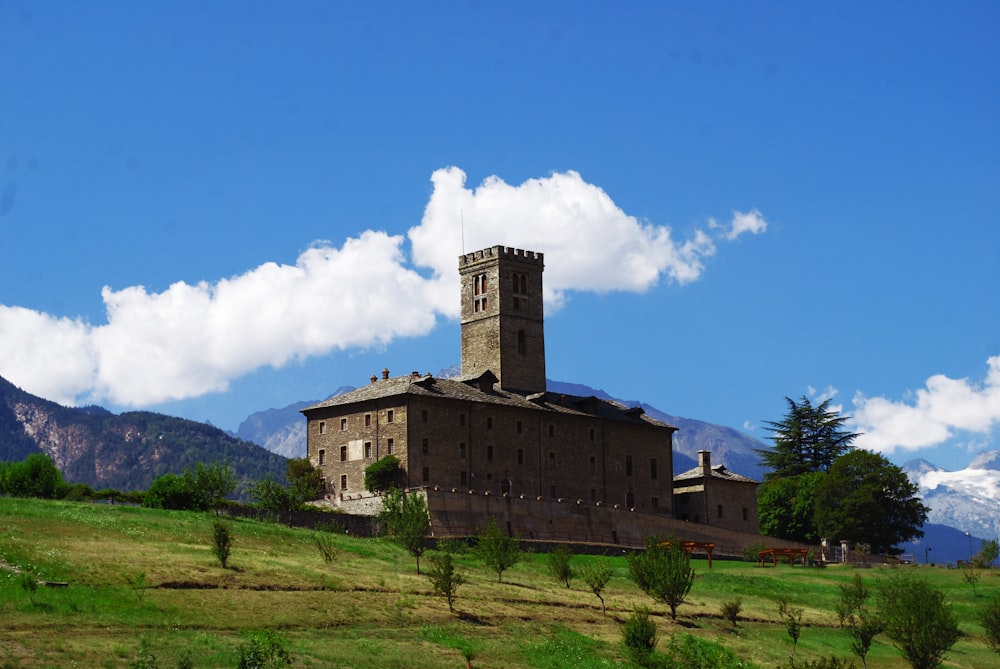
123,451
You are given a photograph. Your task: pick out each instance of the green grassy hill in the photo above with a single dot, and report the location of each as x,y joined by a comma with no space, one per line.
148,577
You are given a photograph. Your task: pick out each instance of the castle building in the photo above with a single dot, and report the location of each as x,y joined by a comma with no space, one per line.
495,429
713,495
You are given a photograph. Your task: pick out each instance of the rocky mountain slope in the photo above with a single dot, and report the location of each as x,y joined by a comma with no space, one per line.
127,451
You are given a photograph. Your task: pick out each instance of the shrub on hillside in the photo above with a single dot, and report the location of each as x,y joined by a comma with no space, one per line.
639,636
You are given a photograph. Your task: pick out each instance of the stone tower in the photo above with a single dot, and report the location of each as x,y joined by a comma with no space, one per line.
502,319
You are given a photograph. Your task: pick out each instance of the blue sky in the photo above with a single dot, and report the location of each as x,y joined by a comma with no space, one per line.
212,208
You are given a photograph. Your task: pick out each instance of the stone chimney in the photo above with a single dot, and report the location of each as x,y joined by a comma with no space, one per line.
385,373
705,462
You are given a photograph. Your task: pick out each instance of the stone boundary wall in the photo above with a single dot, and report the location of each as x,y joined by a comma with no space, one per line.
459,514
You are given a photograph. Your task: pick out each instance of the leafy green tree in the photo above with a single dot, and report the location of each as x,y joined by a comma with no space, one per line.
865,498
988,553
990,620
270,495
407,520
445,577
496,550
222,541
301,474
384,474
264,650
34,476
173,491
663,571
596,575
793,623
917,619
808,439
859,620
639,636
213,483
559,564
786,508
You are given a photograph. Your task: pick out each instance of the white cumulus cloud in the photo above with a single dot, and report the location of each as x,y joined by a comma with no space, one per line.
189,340
940,410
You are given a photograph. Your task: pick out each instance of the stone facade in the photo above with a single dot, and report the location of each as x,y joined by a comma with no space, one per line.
715,496
495,430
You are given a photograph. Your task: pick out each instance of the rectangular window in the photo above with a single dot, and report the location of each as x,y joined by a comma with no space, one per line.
719,511
463,478
593,435
520,427
552,460
652,468
489,422
343,453
343,481
390,446
461,450
426,474
322,457
423,415
552,491
520,456
593,465
368,449
593,495
389,416
424,447
461,419
489,453
628,465
322,427
368,420
343,425
654,502
745,514
552,430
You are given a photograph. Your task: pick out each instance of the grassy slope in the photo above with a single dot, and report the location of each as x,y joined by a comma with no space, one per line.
370,609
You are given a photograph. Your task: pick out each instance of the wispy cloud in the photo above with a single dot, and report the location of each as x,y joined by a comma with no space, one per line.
939,411
193,339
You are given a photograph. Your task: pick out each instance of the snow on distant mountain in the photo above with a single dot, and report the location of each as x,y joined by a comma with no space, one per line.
968,499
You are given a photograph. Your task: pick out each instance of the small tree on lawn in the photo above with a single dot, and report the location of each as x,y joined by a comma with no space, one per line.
917,620
559,564
991,623
222,536
407,519
384,474
988,554
861,623
596,575
639,636
663,571
445,578
496,550
793,624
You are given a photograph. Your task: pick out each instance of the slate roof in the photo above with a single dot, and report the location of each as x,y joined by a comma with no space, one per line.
484,389
718,472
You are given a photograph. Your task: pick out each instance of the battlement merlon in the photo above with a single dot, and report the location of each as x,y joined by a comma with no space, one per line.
497,252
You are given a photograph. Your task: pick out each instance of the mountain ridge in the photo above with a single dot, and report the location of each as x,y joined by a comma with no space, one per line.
125,451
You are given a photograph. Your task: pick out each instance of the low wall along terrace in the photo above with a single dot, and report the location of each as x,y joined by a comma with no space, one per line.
463,513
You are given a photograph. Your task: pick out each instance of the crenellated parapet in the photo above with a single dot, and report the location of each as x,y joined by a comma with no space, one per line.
501,252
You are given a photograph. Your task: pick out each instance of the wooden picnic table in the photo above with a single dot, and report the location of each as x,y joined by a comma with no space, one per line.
790,553
689,546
